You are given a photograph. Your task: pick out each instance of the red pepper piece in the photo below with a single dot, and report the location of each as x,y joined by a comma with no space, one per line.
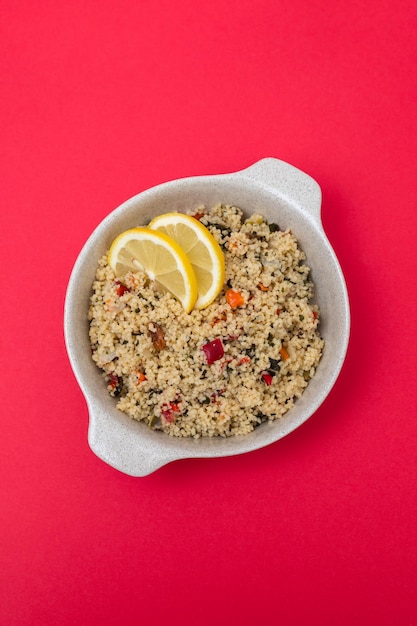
113,380
121,289
168,411
213,350
114,383
222,318
267,378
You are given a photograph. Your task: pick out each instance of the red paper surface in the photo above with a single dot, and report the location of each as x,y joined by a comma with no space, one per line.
101,100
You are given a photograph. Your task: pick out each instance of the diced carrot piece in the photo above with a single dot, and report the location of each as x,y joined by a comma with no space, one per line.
141,377
234,298
284,354
262,287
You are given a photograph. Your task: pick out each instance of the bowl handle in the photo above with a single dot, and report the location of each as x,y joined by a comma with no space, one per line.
289,182
116,443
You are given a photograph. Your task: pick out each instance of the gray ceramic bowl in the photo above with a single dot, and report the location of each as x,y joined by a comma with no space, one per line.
281,193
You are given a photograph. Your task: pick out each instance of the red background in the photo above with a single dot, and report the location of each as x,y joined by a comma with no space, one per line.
101,100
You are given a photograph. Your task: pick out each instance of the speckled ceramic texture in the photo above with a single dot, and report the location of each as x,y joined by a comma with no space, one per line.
281,193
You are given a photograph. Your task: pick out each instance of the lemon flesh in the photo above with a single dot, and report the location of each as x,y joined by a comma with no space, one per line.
203,251
160,257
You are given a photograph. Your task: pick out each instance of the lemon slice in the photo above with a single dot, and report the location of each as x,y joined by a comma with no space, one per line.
160,257
202,249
